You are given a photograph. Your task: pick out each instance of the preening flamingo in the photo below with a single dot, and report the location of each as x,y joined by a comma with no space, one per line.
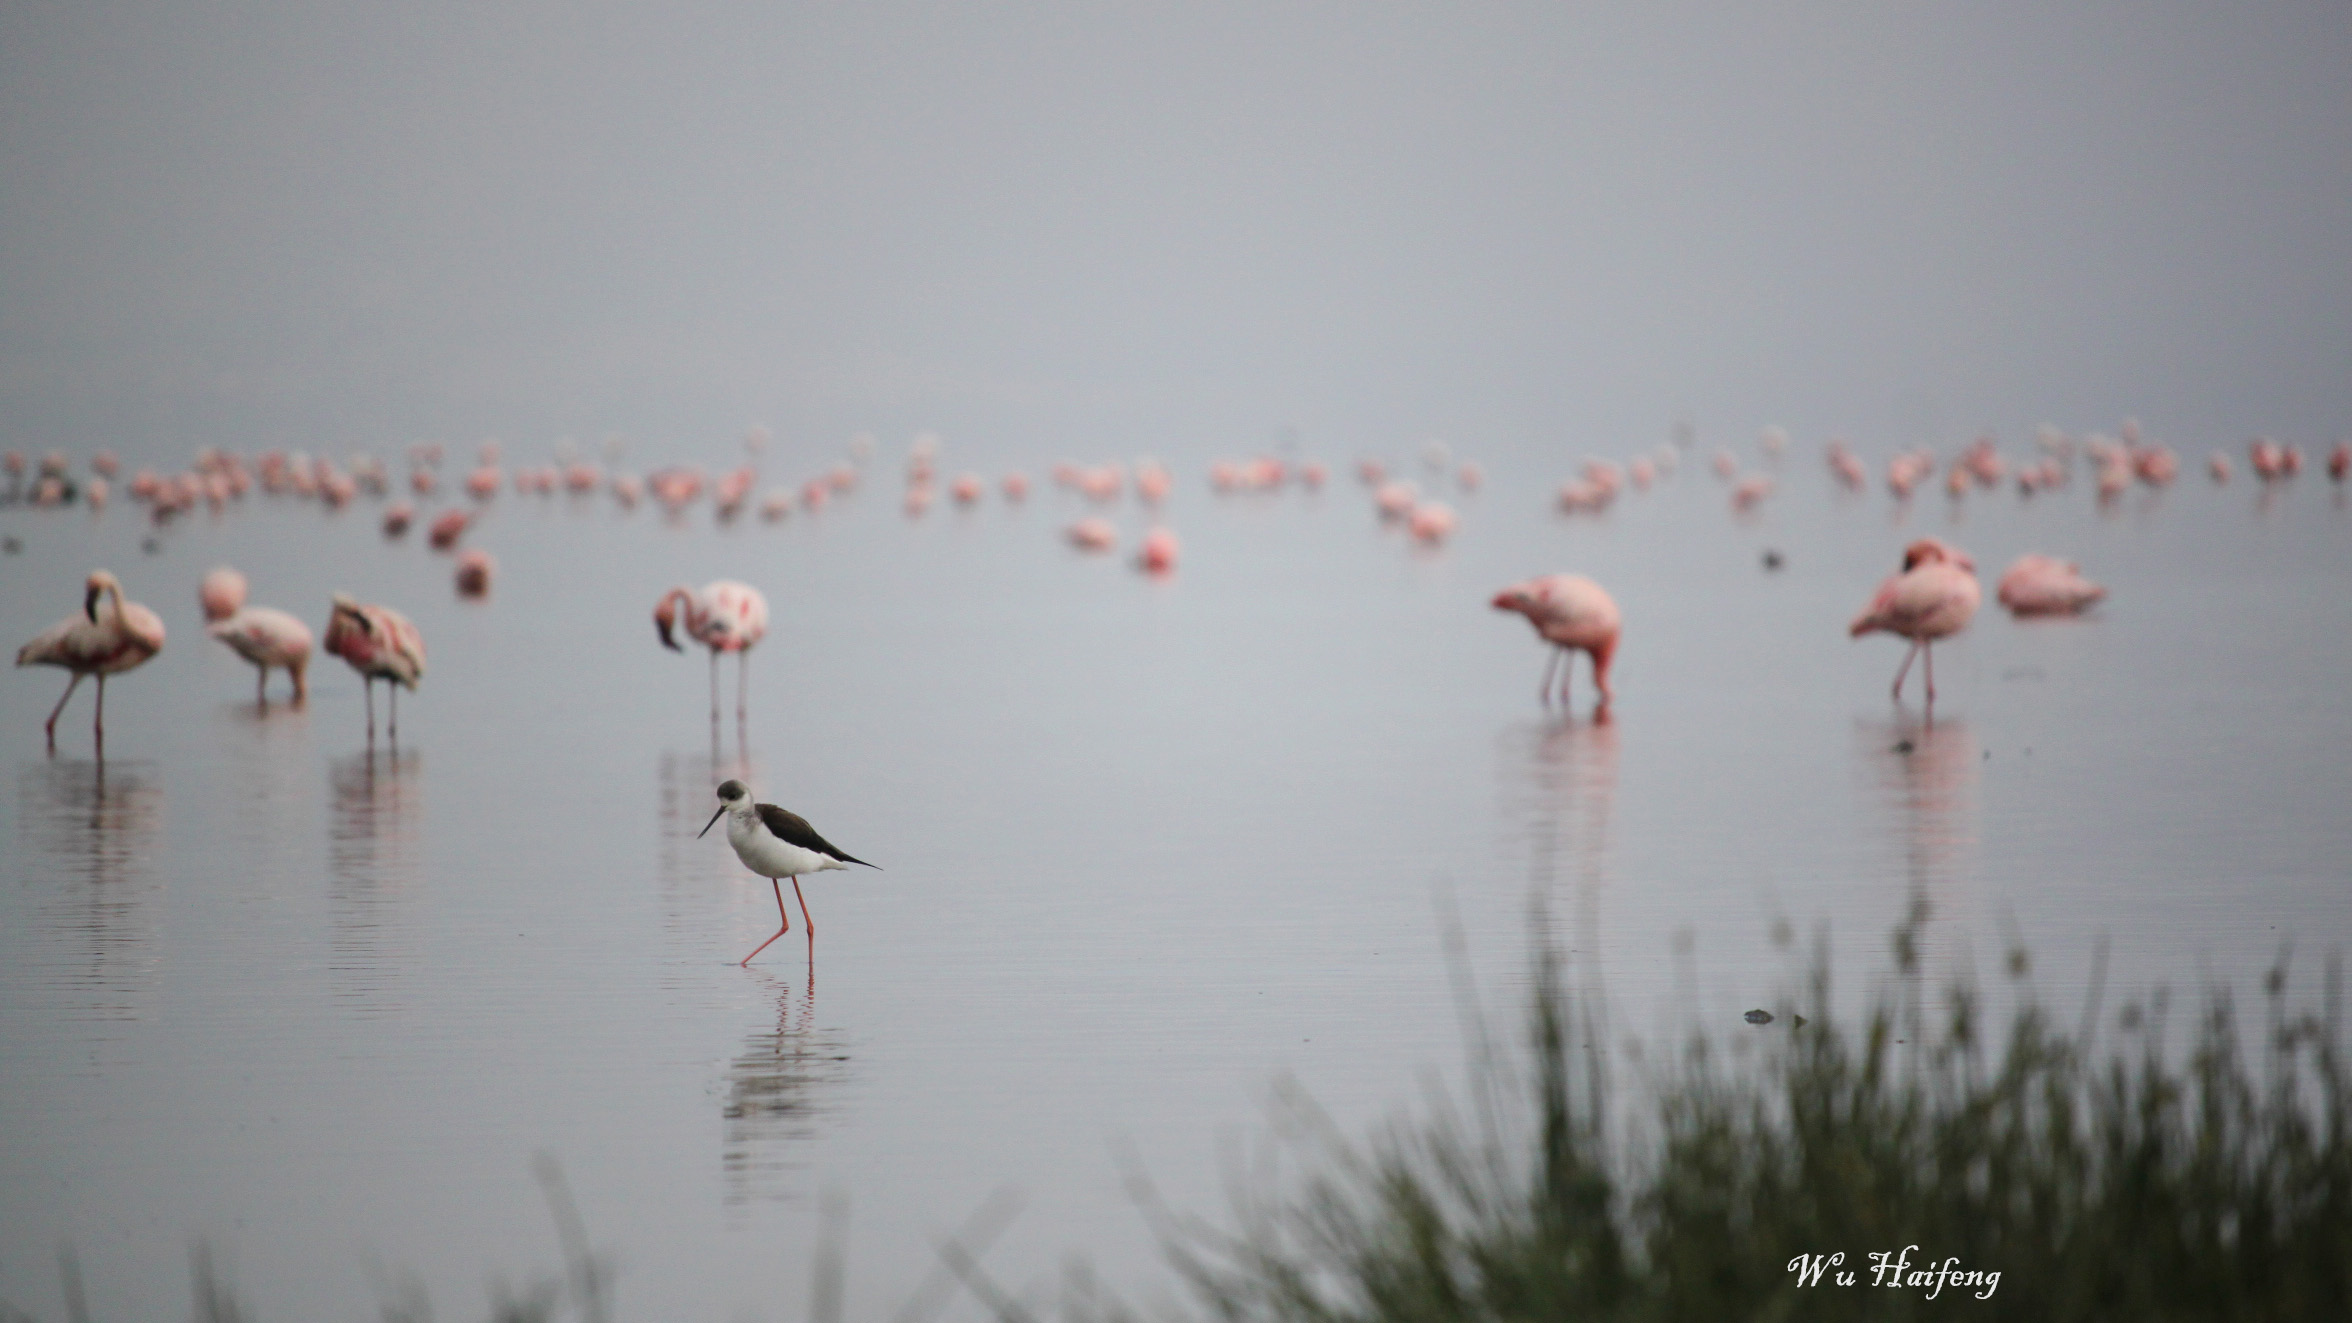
267,637
724,616
100,642
1569,612
1933,597
380,644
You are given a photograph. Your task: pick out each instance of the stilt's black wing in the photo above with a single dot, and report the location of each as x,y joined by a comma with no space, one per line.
792,828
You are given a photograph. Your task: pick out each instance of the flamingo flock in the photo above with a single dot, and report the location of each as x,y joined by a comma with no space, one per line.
1930,598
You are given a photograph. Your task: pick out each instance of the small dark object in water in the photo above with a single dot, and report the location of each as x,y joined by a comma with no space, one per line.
150,545
1903,746
11,546
1772,559
1759,1016
1800,1022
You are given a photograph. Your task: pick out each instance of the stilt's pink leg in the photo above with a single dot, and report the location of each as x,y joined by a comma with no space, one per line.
1905,668
805,921
70,686
779,888
1543,690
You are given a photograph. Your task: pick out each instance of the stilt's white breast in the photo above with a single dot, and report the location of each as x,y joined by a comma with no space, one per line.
764,854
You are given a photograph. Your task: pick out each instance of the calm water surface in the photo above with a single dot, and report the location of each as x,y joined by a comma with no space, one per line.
1147,848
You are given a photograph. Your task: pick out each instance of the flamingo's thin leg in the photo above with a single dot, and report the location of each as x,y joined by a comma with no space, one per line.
1543,689
261,686
70,686
367,684
714,686
392,724
1567,674
98,723
1927,651
742,682
779,887
1905,668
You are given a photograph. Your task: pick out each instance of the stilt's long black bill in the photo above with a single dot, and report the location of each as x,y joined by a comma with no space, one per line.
712,823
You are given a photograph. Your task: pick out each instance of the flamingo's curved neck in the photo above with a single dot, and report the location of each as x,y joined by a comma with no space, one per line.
109,589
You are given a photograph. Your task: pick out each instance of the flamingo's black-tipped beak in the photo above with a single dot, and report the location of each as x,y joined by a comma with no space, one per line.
661,626
90,605
712,823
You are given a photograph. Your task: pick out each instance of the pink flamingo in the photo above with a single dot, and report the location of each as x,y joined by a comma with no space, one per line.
2039,585
1932,598
1568,611
221,593
267,637
95,643
1432,522
474,568
380,644
1093,533
725,616
1159,552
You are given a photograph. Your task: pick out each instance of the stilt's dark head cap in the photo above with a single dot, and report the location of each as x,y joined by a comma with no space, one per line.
733,790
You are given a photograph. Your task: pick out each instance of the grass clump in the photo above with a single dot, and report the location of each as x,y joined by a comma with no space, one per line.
2100,1178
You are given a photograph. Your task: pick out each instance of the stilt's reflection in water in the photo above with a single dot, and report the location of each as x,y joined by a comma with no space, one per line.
1923,775
776,1091
1560,786
89,833
373,869
698,872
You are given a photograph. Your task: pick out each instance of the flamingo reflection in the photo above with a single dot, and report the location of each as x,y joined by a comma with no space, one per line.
1559,781
1922,780
691,876
373,859
89,832
776,1091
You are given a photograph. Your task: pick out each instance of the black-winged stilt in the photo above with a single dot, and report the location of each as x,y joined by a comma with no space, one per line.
776,843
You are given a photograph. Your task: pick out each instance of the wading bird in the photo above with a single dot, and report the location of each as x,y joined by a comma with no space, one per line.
100,641
1932,598
2039,585
1570,612
380,644
267,637
776,844
221,593
725,616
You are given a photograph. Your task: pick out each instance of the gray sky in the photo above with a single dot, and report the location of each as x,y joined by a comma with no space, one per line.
1103,229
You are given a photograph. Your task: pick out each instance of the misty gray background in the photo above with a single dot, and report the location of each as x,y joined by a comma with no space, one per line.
1179,227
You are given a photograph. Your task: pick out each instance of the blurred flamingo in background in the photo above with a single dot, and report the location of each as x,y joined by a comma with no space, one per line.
1569,612
380,644
724,616
1159,552
221,593
1933,597
95,642
2039,585
267,637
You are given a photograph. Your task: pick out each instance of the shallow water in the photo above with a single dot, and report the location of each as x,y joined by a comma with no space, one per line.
1147,847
